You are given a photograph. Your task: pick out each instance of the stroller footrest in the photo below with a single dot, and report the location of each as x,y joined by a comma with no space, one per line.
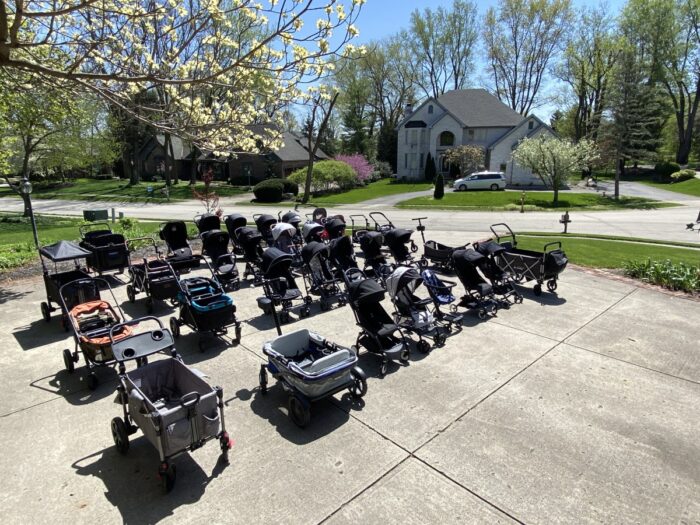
452,318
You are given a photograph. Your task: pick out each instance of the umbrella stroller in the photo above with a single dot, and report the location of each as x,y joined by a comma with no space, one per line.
180,255
397,240
207,222
335,227
310,368
250,241
440,292
92,321
411,312
108,250
205,308
478,293
319,275
233,222
311,231
371,246
264,224
154,276
378,332
215,245
342,253
502,282
174,407
279,285
293,218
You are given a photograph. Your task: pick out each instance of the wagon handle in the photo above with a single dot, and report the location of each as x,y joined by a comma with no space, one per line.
510,232
555,243
189,400
132,322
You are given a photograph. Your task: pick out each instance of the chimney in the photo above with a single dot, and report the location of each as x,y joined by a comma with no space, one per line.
408,110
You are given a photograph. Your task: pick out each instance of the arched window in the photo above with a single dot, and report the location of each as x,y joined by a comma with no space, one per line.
430,109
447,138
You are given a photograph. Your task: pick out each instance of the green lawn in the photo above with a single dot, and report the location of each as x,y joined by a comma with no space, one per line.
687,187
373,190
120,190
535,200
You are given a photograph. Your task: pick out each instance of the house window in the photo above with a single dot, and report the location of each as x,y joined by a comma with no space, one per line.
430,109
405,160
480,135
470,134
412,157
414,136
420,165
502,167
530,125
447,138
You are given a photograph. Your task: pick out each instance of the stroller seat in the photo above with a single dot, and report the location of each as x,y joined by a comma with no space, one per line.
326,362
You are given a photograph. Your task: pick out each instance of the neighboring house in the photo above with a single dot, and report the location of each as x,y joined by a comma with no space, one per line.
461,117
150,158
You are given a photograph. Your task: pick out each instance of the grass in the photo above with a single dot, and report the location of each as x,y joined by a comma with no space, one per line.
373,190
534,200
121,190
687,187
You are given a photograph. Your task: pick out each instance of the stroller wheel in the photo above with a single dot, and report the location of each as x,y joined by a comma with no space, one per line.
424,346
384,368
552,285
482,314
453,308
299,412
91,381
174,327
538,290
46,312
404,355
414,247
167,474
68,361
262,379
517,298
448,328
359,384
120,435
130,293
440,339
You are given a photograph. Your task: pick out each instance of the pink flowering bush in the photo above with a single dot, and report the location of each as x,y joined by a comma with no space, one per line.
360,165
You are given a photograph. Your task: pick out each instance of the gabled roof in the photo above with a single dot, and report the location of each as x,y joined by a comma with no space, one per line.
477,108
525,120
293,148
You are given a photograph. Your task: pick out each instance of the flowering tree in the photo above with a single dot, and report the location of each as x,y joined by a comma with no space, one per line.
468,158
208,197
216,66
554,160
359,164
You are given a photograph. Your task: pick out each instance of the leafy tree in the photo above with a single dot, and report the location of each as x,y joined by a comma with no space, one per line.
554,160
387,145
468,158
357,117
439,191
430,170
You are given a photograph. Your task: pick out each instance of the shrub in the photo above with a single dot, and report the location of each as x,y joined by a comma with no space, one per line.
679,276
439,191
363,169
682,175
664,170
383,169
289,186
326,175
430,170
269,190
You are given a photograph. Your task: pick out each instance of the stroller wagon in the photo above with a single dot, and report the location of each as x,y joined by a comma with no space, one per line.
310,368
320,276
62,251
173,406
501,280
527,265
154,276
108,250
438,254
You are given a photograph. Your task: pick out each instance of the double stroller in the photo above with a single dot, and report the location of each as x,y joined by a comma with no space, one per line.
108,250
207,222
411,312
233,223
310,368
321,278
479,294
279,286
153,276
215,245
371,246
397,240
173,406
264,223
250,242
205,308
378,332
180,255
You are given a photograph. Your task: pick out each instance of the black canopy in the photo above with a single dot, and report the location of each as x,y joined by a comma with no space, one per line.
397,236
335,227
235,221
366,291
371,244
274,258
292,217
312,249
489,247
64,251
265,221
248,236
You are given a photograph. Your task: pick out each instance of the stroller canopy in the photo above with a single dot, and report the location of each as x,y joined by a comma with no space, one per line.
292,217
365,291
341,248
215,242
312,249
489,248
235,221
335,226
248,236
265,221
319,215
466,262
275,259
310,229
207,222
397,237
282,228
63,251
174,233
371,244
403,277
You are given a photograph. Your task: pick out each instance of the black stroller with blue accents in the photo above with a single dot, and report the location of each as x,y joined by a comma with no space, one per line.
440,291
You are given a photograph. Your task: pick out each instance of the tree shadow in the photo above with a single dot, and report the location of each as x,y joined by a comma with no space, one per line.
10,295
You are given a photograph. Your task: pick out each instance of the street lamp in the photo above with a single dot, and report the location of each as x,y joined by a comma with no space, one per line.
25,189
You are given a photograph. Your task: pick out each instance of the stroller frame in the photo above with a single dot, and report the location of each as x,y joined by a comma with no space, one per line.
441,293
319,275
154,282
358,231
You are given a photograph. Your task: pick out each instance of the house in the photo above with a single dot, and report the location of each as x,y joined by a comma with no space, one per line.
461,117
150,159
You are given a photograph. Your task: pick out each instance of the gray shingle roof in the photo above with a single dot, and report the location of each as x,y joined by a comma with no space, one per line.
293,149
478,108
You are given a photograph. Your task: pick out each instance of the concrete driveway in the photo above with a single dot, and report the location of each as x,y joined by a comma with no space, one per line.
578,407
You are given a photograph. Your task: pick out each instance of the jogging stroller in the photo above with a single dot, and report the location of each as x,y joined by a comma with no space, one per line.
176,410
371,246
502,282
279,285
310,368
154,276
250,241
320,276
440,292
264,223
180,255
410,312
478,293
311,231
397,240
342,253
378,332
108,250
207,222
91,321
215,245
233,222
293,218
205,308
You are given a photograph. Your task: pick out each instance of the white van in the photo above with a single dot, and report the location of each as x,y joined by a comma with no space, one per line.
481,180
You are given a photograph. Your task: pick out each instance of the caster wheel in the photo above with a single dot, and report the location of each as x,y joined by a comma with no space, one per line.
68,361
149,305
308,300
359,386
405,355
414,247
299,412
482,314
46,312
262,379
440,339
538,290
552,285
91,381
384,368
130,293
424,346
120,434
167,476
448,328
225,443
453,308
174,327
493,310
518,299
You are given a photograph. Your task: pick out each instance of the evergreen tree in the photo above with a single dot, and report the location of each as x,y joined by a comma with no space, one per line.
439,191
430,170
387,145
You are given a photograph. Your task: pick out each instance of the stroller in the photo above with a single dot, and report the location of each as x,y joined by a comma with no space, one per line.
92,321
207,222
382,224
205,308
412,313
215,245
279,285
438,254
320,276
440,292
397,241
310,368
312,231
233,222
293,218
173,406
180,255
378,332
502,282
250,241
108,250
358,230
154,276
478,293
264,223
283,235
335,227
342,253
371,246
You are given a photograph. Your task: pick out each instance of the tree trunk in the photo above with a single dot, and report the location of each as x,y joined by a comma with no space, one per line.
193,167
619,169
167,148
556,195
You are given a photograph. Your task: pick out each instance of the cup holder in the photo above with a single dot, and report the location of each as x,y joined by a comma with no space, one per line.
157,335
129,352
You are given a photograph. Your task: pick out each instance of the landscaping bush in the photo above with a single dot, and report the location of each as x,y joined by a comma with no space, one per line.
439,191
360,165
430,170
664,170
269,190
678,276
289,186
682,175
326,176
382,170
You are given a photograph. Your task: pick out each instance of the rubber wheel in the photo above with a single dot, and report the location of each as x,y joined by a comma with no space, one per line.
46,312
384,368
440,339
167,478
482,314
262,379
91,381
174,327
359,386
130,293
120,435
448,328
538,290
423,346
494,187
299,413
552,285
403,357
414,247
68,361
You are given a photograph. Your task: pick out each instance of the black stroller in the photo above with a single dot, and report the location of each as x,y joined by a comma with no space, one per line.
335,227
205,308
180,255
441,293
293,218
108,250
319,275
411,312
502,282
378,332
478,293
371,246
153,275
312,231
264,223
250,241
382,223
438,254
207,222
359,226
215,245
233,222
397,240
279,285
342,254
